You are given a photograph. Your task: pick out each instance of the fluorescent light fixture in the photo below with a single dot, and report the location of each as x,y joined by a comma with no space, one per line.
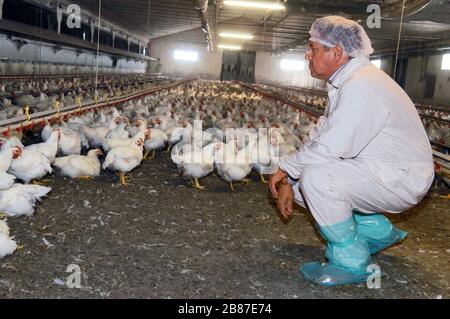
229,47
377,63
185,55
445,62
236,35
256,5
292,65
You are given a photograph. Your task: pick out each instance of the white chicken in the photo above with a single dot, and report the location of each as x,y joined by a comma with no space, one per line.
138,126
124,159
7,245
6,156
118,136
29,165
46,131
263,156
234,166
116,142
15,141
6,180
181,133
194,162
69,143
118,132
78,166
96,135
284,148
157,141
21,199
48,148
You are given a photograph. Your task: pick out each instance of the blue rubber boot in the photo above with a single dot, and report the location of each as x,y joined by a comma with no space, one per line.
347,253
378,230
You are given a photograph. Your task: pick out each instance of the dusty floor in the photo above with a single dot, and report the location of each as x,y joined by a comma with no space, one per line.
160,238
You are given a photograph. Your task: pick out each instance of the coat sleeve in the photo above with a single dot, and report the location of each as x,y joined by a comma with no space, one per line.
355,121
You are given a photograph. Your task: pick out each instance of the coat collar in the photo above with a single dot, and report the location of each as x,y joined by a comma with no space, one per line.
337,80
344,72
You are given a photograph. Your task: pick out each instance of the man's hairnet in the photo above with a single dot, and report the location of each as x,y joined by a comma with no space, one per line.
335,30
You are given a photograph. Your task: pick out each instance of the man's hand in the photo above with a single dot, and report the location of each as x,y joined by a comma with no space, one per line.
285,201
282,192
275,179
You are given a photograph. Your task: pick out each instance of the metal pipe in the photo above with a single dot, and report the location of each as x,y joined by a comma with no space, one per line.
202,7
79,75
295,105
1,9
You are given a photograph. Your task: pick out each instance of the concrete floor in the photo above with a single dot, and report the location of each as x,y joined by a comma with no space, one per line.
160,238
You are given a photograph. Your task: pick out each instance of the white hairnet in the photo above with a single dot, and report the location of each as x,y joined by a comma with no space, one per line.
335,30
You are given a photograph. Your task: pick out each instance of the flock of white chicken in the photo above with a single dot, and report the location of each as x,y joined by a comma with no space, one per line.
438,131
43,95
207,127
261,132
440,114
313,99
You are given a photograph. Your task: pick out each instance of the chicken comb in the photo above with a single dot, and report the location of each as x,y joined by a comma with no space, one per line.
30,126
6,133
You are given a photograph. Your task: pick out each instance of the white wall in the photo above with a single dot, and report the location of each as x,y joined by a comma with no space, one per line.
208,66
268,71
415,79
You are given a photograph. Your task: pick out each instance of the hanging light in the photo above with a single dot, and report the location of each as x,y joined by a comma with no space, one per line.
236,35
256,5
229,47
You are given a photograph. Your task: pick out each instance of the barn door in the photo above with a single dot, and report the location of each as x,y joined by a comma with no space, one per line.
247,67
238,66
430,84
402,67
230,66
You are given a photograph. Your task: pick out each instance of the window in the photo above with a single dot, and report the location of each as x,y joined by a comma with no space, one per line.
293,65
377,63
185,55
446,62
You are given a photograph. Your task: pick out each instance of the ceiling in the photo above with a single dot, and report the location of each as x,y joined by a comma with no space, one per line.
426,22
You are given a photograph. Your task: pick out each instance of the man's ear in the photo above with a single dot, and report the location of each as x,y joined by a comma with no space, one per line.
337,52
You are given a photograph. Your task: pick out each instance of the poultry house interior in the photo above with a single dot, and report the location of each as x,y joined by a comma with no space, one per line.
140,141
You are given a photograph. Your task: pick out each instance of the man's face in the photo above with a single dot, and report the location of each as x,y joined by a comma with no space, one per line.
320,59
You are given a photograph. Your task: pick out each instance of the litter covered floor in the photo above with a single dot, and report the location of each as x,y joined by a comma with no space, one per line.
160,238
